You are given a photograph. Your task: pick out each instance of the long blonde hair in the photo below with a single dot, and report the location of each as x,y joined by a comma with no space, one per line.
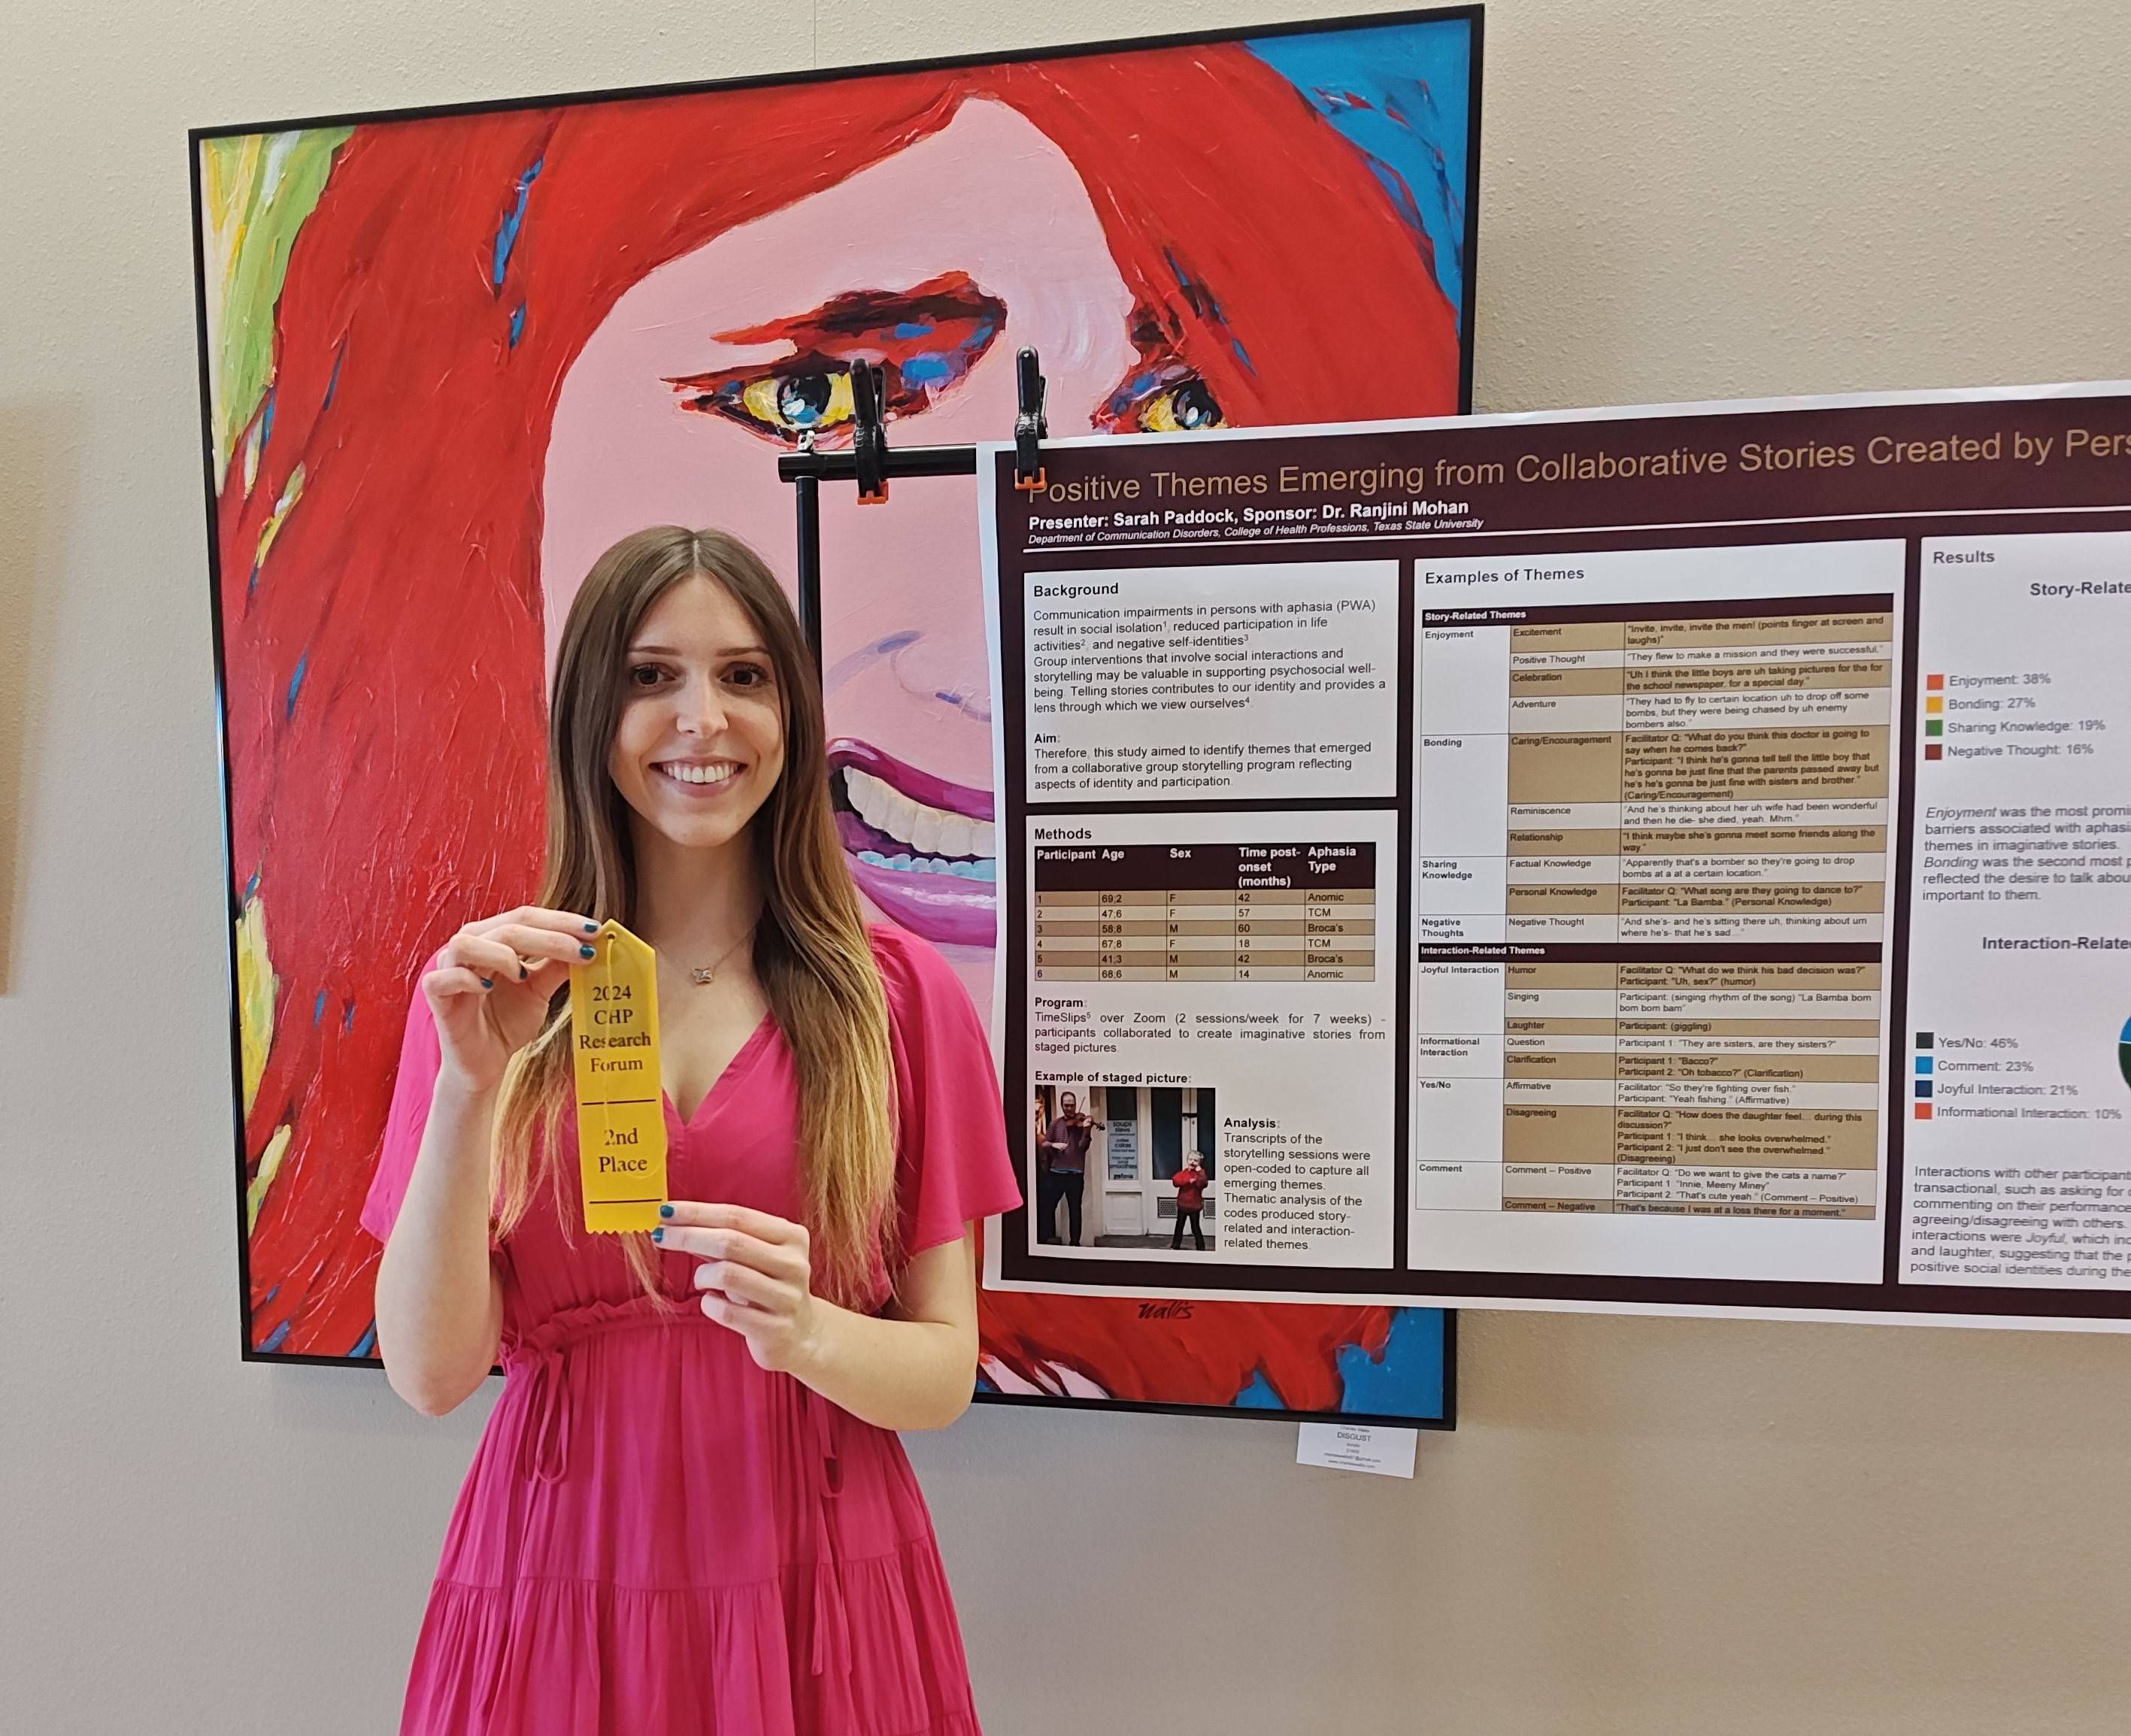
811,954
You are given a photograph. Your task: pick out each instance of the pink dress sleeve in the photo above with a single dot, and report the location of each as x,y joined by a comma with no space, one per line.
421,1058
952,1166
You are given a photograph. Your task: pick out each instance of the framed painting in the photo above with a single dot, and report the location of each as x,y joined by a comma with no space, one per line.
447,357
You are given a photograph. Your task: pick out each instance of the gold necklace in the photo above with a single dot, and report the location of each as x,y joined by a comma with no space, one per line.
706,974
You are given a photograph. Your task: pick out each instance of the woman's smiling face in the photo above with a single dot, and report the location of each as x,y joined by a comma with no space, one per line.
940,261
700,744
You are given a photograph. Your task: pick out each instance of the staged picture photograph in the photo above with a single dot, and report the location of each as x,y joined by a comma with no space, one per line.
809,815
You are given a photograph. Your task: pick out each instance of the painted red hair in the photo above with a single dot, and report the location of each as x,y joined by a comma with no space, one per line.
394,627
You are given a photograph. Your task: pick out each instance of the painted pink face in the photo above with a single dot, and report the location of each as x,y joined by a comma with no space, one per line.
943,259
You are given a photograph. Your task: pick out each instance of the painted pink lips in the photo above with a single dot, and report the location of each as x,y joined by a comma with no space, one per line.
924,850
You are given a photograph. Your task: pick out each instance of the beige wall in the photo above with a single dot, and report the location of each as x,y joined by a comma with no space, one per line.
1644,1526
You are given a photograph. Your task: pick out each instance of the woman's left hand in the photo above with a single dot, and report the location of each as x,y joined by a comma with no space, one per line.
756,1277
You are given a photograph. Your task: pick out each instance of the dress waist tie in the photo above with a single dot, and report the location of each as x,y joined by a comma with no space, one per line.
541,1358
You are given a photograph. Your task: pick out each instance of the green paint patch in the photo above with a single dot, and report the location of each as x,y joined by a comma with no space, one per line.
257,190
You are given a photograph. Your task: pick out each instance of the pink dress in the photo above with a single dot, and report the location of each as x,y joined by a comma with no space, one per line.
656,1537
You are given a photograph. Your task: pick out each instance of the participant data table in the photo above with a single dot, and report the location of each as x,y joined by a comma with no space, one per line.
1205,913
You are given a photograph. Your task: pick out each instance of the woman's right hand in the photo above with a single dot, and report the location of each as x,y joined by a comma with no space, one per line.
489,991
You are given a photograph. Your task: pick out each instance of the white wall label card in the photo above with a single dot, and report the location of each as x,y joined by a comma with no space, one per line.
1668,860
1384,1452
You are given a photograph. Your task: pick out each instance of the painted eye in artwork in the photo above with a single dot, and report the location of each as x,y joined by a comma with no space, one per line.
792,403
1162,400
1183,408
924,341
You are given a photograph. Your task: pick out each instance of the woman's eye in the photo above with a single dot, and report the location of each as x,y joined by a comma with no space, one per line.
795,404
750,675
1171,401
645,675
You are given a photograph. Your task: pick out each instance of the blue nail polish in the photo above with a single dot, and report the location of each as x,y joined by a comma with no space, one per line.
659,1235
591,928
665,1210
589,951
485,983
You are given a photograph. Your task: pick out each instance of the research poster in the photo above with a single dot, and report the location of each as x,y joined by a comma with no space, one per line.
1661,860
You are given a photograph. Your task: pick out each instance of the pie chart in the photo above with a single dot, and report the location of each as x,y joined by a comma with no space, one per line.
2123,1052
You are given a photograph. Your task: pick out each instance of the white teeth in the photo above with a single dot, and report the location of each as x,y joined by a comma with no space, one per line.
882,806
699,774
932,831
861,788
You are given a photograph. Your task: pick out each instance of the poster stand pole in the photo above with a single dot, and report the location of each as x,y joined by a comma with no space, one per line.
872,463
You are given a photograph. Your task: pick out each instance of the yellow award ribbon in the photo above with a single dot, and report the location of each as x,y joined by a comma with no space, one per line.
622,1110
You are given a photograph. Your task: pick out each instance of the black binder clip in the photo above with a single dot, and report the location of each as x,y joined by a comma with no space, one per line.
869,438
1030,427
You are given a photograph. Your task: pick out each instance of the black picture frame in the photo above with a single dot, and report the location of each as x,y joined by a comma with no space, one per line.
1472,15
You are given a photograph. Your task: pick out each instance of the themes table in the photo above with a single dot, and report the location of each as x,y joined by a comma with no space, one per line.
1741,1087
1651,893
1708,771
1206,913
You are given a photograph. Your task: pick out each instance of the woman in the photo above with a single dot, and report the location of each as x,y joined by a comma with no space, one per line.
688,1513
1191,1182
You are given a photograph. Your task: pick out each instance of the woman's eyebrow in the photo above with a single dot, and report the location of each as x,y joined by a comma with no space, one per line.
672,650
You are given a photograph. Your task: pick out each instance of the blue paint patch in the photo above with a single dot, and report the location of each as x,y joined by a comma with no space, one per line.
1407,1379
274,1339
347,1016
1398,94
252,888
866,657
517,324
266,422
1243,355
319,1007
270,1295
1400,195
985,1383
1257,1395
332,382
506,234
296,682
367,1342
926,370
1136,389
1198,296
914,328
